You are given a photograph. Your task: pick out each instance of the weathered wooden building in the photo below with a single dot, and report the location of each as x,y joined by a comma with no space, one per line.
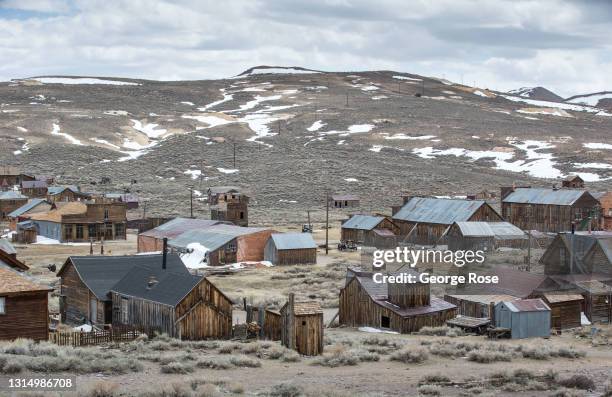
551,210
478,306
8,257
302,326
180,305
291,249
85,283
24,307
573,182
130,200
11,176
579,253
221,244
401,307
231,207
605,203
218,194
485,236
9,202
526,318
152,239
427,220
81,221
57,194
344,201
565,310
373,231
34,189
34,206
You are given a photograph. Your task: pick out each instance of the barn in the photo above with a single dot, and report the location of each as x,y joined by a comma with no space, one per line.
485,236
573,182
178,304
24,307
56,194
565,310
152,240
85,283
34,189
426,220
373,231
550,210
302,327
525,318
291,249
400,307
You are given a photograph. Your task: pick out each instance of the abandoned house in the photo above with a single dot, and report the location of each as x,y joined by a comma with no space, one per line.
344,201
565,310
369,230
177,304
130,200
231,207
427,220
291,249
525,318
152,239
85,283
97,219
11,176
56,194
485,236
400,307
221,245
9,202
579,253
24,307
217,194
33,206
551,210
573,182
34,189
605,203
302,326
478,306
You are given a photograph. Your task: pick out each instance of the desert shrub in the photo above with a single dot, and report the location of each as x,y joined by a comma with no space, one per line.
208,390
434,331
487,356
173,390
378,341
429,390
275,353
536,353
290,356
338,356
410,356
567,393
434,379
286,390
228,348
12,367
579,381
570,353
244,361
102,389
236,388
251,348
451,349
365,356
214,363
176,368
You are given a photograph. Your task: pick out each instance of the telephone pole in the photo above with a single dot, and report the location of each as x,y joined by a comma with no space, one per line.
234,155
326,222
191,201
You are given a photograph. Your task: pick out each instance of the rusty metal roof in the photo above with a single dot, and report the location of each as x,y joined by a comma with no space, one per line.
498,230
527,305
362,222
438,210
558,298
545,196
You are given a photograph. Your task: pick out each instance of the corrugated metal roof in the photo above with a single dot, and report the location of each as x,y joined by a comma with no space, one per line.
178,226
606,247
438,210
212,237
511,282
169,287
12,195
7,247
289,241
53,190
527,305
485,299
501,230
545,196
223,189
362,222
25,208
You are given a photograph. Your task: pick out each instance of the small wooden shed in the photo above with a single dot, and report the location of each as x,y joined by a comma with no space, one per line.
525,318
564,310
344,200
302,327
477,306
291,249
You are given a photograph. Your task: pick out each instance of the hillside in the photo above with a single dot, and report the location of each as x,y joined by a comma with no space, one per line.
296,133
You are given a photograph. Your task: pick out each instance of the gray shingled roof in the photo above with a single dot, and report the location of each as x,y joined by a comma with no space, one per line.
223,189
101,273
438,210
169,287
290,241
25,208
53,190
545,196
362,222
499,230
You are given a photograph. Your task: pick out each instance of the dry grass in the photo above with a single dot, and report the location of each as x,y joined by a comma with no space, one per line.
410,355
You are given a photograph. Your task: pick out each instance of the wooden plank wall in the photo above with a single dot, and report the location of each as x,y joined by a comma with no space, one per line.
75,294
27,316
272,325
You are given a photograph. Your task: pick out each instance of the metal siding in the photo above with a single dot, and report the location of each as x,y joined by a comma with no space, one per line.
435,210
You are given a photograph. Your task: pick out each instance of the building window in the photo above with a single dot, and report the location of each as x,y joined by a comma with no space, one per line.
241,215
119,230
2,305
79,231
124,310
105,213
68,232
385,322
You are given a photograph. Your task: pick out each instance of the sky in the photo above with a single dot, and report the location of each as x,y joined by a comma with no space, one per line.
563,45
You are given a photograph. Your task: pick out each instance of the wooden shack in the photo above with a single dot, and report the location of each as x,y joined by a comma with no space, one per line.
291,249
302,327
477,306
229,206
579,253
400,307
565,310
12,176
427,220
181,305
373,231
550,210
85,283
597,304
24,307
34,189
573,182
152,240
344,201
56,194
605,203
9,202
218,194
485,236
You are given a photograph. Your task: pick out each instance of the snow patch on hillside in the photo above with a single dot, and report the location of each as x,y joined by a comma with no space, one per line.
68,137
80,80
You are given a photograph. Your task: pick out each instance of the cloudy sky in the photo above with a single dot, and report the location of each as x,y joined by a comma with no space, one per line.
563,45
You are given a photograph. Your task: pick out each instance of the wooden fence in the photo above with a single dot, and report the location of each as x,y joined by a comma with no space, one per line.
76,338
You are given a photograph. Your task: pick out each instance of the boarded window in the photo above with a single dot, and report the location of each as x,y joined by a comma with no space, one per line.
2,305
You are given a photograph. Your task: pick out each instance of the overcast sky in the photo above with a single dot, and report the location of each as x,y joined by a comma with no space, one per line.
562,45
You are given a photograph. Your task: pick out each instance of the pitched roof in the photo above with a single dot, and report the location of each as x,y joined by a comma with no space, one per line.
168,288
558,298
606,247
14,282
7,247
55,215
178,226
101,273
12,195
438,210
499,230
212,237
306,308
290,241
527,305
33,184
545,196
344,197
26,207
223,189
511,282
362,222
53,190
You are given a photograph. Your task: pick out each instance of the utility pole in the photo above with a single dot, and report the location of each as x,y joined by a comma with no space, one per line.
144,211
399,87
347,99
327,222
191,200
234,155
422,87
529,250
